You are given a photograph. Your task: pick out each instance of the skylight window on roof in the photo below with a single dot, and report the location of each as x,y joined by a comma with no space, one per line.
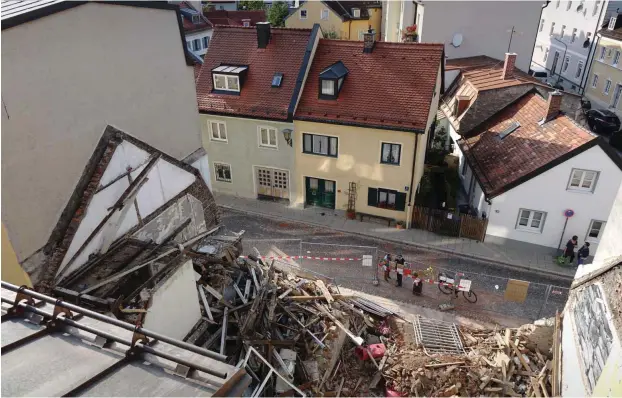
511,128
277,79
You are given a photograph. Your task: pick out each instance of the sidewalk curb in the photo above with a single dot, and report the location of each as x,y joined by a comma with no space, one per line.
507,265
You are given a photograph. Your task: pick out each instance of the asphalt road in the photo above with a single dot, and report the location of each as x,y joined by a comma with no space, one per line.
275,237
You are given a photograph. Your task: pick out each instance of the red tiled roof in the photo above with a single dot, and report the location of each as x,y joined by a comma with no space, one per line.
484,73
223,17
238,46
191,27
390,87
499,163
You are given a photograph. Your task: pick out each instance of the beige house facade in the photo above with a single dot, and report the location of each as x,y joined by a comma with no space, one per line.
604,85
69,70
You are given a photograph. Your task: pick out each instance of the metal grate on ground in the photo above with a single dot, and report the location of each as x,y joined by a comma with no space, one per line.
437,337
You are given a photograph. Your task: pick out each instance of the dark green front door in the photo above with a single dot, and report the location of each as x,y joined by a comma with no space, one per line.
320,192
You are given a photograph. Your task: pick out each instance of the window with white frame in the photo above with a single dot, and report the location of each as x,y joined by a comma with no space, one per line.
328,87
568,5
267,137
561,34
196,19
189,45
616,58
579,70
222,172
324,13
196,44
530,220
595,81
356,12
595,231
552,29
206,42
557,4
583,180
612,23
303,14
573,38
595,11
226,82
603,52
546,55
607,87
541,25
320,145
566,63
217,130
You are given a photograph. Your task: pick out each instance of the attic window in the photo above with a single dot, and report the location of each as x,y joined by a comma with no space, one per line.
356,12
229,78
196,19
277,79
331,80
509,130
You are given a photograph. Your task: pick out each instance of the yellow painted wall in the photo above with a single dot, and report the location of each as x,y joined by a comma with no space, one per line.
609,383
358,161
357,27
314,15
605,70
12,272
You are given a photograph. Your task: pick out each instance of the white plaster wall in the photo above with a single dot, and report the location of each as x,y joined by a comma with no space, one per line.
174,306
584,23
65,77
202,164
198,35
547,192
572,384
485,26
611,242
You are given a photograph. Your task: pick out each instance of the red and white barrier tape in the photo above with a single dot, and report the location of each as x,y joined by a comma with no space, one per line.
306,257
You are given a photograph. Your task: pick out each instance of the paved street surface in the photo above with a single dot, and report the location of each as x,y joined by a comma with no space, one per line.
274,237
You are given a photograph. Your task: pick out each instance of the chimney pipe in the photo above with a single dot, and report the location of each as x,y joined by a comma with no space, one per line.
508,66
369,40
263,34
554,104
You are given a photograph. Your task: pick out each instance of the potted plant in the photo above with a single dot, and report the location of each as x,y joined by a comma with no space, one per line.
350,214
410,34
400,225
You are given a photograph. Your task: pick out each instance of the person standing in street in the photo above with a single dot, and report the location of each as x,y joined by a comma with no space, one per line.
399,262
386,266
583,253
570,247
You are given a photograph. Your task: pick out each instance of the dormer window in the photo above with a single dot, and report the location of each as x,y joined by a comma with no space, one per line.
331,80
196,19
228,79
356,12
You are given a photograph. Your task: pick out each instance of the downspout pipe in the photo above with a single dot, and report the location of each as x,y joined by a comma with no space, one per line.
412,181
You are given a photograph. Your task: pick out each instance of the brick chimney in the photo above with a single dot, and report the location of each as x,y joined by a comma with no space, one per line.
553,106
369,40
508,66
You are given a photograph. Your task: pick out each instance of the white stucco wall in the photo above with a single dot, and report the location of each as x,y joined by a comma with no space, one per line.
199,35
174,306
611,242
572,384
547,192
484,25
65,77
585,23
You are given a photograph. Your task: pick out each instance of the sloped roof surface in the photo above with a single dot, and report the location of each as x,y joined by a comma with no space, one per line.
498,163
391,87
238,46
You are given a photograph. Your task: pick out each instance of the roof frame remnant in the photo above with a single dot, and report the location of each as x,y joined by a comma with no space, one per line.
117,210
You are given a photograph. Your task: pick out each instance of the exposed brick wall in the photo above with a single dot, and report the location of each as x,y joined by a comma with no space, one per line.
55,259
508,66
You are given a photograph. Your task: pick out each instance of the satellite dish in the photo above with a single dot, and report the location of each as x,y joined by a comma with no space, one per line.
457,40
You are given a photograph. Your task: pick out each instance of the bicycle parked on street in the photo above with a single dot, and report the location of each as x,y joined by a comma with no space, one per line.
447,285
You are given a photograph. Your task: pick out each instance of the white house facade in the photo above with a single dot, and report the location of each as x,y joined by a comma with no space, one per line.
565,40
470,29
549,196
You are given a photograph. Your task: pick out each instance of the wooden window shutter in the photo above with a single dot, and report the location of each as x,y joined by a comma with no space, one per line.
372,197
400,201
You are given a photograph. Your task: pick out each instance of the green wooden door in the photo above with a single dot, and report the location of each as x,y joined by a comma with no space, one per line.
320,192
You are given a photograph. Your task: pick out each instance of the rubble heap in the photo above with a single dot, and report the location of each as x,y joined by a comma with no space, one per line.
497,363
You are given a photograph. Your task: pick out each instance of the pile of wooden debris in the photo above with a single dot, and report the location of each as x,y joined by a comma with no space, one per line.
510,362
293,334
